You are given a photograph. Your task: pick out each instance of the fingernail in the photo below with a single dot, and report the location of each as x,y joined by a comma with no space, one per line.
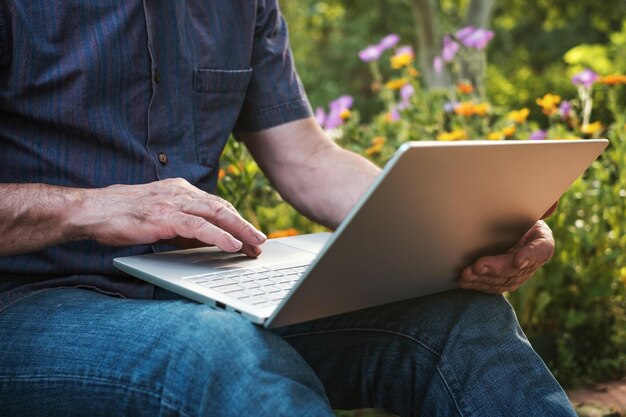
524,264
260,236
235,245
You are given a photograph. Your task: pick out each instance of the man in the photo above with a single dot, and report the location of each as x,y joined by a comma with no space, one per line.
104,107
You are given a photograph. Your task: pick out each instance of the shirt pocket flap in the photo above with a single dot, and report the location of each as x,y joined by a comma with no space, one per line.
214,80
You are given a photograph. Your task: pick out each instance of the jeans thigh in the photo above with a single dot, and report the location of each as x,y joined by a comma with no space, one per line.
76,352
454,353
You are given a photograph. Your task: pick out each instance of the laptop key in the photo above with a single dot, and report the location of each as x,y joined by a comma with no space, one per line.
239,295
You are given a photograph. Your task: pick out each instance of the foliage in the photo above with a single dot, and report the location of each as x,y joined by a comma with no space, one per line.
574,309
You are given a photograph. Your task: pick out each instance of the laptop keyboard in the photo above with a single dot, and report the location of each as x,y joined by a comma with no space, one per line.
261,287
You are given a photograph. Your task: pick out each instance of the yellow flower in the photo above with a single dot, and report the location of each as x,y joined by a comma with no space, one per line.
509,131
377,145
464,88
495,135
457,134
345,114
592,128
283,233
401,60
482,109
549,103
519,116
622,274
396,84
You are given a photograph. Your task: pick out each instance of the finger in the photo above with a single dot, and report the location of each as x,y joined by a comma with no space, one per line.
251,251
488,289
194,227
183,243
550,211
538,249
499,265
222,214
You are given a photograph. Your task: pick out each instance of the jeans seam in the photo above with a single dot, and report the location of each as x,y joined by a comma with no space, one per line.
406,336
445,382
168,403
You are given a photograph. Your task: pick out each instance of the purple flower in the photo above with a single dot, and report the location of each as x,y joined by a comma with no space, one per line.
449,106
320,116
463,33
405,50
450,48
438,64
478,39
538,135
337,107
565,109
585,78
394,116
388,42
371,53
406,93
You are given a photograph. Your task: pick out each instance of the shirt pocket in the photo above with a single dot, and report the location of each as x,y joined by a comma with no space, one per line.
218,99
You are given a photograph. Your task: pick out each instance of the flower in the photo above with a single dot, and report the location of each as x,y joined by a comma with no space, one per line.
464,88
402,58
565,109
413,72
371,53
283,233
591,128
585,78
388,41
221,174
392,116
396,84
548,103
538,135
339,111
497,135
457,134
450,48
406,92
477,38
613,79
509,131
320,116
518,116
438,64
377,145
468,109
449,106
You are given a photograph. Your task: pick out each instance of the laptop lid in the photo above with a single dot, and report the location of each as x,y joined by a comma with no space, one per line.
436,208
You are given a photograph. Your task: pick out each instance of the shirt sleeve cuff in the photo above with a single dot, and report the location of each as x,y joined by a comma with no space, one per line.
265,118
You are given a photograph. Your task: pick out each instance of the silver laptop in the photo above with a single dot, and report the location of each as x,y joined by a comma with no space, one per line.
435,208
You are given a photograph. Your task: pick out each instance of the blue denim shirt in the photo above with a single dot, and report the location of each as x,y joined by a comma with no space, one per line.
101,92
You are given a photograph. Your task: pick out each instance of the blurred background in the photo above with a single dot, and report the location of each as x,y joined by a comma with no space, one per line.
383,72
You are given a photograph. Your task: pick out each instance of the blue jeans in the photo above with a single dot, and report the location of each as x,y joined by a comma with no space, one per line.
66,352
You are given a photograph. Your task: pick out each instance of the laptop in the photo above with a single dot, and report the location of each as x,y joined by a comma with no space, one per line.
435,208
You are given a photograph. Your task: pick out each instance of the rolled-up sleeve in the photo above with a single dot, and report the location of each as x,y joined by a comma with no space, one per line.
275,94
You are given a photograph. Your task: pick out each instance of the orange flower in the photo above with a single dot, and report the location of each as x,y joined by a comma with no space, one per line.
464,88
465,109
614,79
221,174
413,72
509,131
283,233
549,103
345,114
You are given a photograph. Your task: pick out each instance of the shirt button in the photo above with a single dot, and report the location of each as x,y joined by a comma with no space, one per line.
162,158
157,76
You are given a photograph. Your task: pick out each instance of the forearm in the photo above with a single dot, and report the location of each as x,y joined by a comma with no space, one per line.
34,216
329,185
310,171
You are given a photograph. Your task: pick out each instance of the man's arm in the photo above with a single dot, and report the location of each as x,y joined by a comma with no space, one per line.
35,216
324,181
